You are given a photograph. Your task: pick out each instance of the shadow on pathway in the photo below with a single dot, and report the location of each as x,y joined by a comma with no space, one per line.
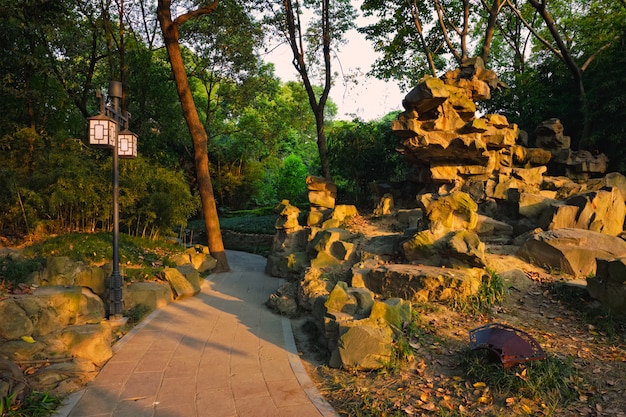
221,353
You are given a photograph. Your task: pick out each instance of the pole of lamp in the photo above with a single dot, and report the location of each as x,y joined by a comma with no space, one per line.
115,284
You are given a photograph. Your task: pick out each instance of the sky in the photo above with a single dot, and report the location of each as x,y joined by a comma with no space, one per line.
370,99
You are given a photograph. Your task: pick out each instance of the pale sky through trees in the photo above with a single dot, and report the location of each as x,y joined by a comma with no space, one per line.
369,98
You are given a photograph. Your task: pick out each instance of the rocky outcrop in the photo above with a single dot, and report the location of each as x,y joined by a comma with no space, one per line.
418,283
61,319
357,330
571,251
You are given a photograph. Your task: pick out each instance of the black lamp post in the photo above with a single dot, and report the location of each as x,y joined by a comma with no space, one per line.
109,129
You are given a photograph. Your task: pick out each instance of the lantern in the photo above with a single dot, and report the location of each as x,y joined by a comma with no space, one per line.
102,131
126,144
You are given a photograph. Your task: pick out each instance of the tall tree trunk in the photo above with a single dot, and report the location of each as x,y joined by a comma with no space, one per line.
196,130
295,39
568,59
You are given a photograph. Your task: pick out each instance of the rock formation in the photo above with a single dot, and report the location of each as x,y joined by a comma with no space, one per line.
480,180
61,318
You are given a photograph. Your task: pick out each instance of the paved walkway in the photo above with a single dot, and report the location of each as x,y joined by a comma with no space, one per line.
221,353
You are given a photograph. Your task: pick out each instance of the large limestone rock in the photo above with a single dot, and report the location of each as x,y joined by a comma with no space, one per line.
364,345
329,249
287,216
395,311
600,211
89,341
609,285
549,135
454,211
182,285
424,283
153,295
283,300
288,257
571,251
460,247
322,192
314,285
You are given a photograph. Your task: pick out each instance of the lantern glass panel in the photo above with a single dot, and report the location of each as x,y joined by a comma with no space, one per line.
127,144
102,131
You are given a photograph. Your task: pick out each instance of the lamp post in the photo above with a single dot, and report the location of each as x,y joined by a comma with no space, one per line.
109,129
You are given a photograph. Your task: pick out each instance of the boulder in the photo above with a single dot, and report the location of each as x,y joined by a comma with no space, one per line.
343,212
600,211
460,247
313,285
609,285
454,211
424,283
426,96
203,262
384,247
571,251
94,278
322,192
286,265
385,205
88,341
395,311
363,345
181,286
153,295
284,300
317,215
287,216
549,135
19,325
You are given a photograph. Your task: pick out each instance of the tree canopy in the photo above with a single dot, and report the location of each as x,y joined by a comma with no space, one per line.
559,59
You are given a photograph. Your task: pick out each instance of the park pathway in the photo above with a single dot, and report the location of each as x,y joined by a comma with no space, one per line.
221,353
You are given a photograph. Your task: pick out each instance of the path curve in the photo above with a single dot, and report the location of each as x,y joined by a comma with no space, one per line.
221,353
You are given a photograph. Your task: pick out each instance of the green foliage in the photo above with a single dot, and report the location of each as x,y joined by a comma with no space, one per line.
137,313
361,153
250,224
291,180
96,248
16,270
491,292
36,404
551,381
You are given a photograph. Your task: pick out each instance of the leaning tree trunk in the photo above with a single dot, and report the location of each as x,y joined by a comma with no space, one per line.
196,129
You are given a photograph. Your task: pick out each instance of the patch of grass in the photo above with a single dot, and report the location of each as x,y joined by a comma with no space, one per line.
140,258
97,248
255,224
548,384
36,404
490,293
14,271
137,313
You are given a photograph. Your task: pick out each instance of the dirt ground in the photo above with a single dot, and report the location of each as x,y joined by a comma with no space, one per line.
586,346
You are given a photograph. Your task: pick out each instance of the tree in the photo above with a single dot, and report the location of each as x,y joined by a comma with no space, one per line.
170,29
408,49
311,48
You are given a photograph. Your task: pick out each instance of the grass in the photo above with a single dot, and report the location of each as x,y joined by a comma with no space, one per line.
490,293
140,258
36,404
547,385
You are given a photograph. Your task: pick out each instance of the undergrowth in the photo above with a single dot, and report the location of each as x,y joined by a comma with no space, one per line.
549,384
491,292
36,404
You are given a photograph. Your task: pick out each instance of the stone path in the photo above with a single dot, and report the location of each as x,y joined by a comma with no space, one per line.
219,354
